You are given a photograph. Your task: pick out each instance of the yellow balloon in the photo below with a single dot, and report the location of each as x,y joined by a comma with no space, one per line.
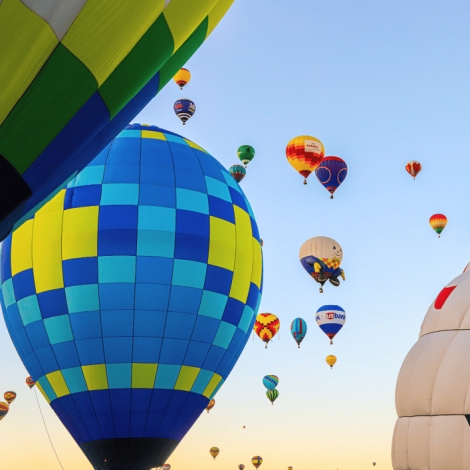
182,77
331,360
214,452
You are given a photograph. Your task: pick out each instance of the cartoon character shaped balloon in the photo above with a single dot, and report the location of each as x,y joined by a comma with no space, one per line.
298,329
74,74
413,168
124,295
182,77
238,172
266,327
305,154
270,381
331,173
256,461
321,257
246,153
330,318
184,109
438,223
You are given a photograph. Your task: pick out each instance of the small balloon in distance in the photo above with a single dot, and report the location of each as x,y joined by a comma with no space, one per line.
238,172
413,168
214,451
438,223
305,154
184,109
331,173
266,327
331,360
246,153
182,77
298,329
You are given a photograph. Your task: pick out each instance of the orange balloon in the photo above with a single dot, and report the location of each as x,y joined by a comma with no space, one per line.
30,382
210,405
9,396
413,168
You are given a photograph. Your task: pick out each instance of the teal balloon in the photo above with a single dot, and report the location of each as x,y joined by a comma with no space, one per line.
270,381
131,294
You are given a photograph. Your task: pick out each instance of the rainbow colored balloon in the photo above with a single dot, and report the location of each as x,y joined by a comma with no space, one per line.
270,381
131,294
438,223
256,461
73,75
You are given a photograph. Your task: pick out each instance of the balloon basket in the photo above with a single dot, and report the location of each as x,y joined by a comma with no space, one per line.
305,181
331,197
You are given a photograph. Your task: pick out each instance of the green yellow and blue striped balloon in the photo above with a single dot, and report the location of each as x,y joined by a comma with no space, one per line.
73,75
270,381
131,294
272,395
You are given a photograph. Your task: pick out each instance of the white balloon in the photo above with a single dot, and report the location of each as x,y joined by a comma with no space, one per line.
433,388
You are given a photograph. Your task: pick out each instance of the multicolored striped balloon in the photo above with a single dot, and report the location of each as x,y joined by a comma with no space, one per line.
256,461
270,381
30,382
331,173
438,222
272,395
330,318
214,451
4,408
182,77
238,172
305,154
9,397
298,329
266,326
413,168
184,109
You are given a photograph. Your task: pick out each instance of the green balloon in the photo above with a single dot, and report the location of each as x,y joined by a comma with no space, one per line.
272,395
246,153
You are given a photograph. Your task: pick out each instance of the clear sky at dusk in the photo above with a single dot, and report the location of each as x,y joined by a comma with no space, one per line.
379,83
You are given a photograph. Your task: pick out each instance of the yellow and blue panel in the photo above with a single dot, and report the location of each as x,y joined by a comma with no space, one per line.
130,295
73,75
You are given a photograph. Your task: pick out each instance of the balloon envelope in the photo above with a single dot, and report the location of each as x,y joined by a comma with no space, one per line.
272,395
184,109
74,75
125,297
331,173
413,168
256,461
266,326
9,397
4,408
298,329
438,223
330,318
238,172
241,467
305,153
30,382
246,153
331,360
214,451
270,381
182,77
210,405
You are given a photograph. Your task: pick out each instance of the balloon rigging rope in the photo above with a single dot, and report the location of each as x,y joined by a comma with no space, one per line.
48,435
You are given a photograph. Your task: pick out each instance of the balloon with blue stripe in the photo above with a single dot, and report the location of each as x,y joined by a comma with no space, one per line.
298,330
184,109
270,381
330,318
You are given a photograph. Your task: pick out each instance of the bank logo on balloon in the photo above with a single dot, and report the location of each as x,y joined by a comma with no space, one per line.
131,294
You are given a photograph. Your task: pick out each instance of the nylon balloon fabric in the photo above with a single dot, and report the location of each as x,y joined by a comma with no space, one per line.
331,173
266,326
131,294
73,75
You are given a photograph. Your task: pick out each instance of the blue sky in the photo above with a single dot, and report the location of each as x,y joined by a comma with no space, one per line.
379,84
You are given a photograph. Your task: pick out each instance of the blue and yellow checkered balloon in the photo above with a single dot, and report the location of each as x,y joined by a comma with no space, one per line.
131,294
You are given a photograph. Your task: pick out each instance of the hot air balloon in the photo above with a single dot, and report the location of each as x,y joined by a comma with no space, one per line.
305,154
238,172
182,77
9,397
321,257
290,468
167,466
246,153
330,318
438,223
331,360
124,299
266,326
298,329
373,463
272,395
413,168
241,467
73,75
4,408
331,173
184,109
270,381
214,451
30,382
256,461
210,405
